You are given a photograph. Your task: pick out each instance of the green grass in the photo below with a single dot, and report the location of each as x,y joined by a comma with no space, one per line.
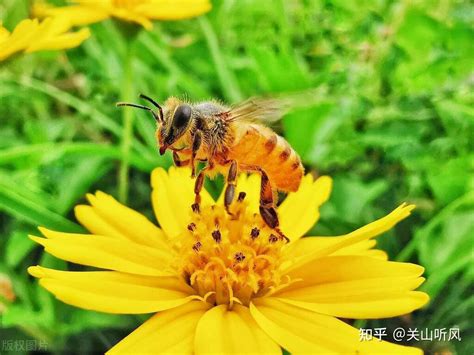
392,121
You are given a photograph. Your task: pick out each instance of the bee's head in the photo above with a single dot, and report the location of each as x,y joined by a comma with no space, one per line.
177,120
172,123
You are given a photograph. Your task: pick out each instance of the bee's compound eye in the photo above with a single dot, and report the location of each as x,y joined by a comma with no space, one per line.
181,116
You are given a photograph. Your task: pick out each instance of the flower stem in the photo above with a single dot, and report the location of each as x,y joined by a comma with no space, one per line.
127,124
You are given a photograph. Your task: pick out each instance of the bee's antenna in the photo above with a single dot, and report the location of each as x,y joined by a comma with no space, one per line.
156,104
143,108
149,99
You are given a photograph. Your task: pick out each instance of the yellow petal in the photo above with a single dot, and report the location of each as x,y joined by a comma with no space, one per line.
351,290
110,216
250,184
54,26
77,15
168,332
114,292
131,15
106,253
302,331
356,287
4,33
308,245
65,41
382,305
172,197
363,299
90,218
173,10
350,267
226,331
40,32
374,253
19,38
368,231
167,282
300,210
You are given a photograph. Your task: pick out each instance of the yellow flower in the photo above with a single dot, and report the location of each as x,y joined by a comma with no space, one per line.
138,11
225,282
32,35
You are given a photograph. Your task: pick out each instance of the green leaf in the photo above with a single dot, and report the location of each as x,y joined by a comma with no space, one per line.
82,320
351,198
80,105
313,123
451,179
280,71
77,181
458,122
55,150
12,201
18,246
227,79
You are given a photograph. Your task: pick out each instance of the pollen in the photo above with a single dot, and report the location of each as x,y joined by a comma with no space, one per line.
230,256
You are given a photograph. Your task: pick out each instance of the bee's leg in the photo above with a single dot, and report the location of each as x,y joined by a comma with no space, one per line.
267,202
197,140
267,206
177,160
198,184
230,188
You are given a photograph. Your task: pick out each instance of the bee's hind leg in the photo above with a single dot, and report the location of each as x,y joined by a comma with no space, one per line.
230,188
267,203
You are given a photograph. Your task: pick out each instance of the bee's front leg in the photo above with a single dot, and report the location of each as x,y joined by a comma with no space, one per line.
197,140
177,160
198,187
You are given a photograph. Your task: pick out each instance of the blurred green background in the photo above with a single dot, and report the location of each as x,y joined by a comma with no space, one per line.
392,121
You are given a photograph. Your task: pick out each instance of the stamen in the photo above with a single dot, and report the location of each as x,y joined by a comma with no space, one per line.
223,259
195,207
197,246
207,295
254,233
216,235
195,275
235,299
241,196
273,238
289,282
239,256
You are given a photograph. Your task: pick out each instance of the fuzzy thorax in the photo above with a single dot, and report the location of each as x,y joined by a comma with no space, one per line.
232,257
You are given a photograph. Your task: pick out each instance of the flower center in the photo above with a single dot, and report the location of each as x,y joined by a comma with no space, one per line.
230,257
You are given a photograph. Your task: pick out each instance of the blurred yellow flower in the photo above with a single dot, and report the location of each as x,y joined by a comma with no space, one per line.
226,283
6,292
139,11
33,35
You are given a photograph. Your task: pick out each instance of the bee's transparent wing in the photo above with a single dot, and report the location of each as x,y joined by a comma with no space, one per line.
271,109
256,109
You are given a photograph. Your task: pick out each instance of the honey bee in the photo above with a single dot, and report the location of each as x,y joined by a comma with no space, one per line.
229,140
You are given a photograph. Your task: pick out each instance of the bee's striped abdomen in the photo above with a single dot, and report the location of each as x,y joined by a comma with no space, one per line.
260,146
